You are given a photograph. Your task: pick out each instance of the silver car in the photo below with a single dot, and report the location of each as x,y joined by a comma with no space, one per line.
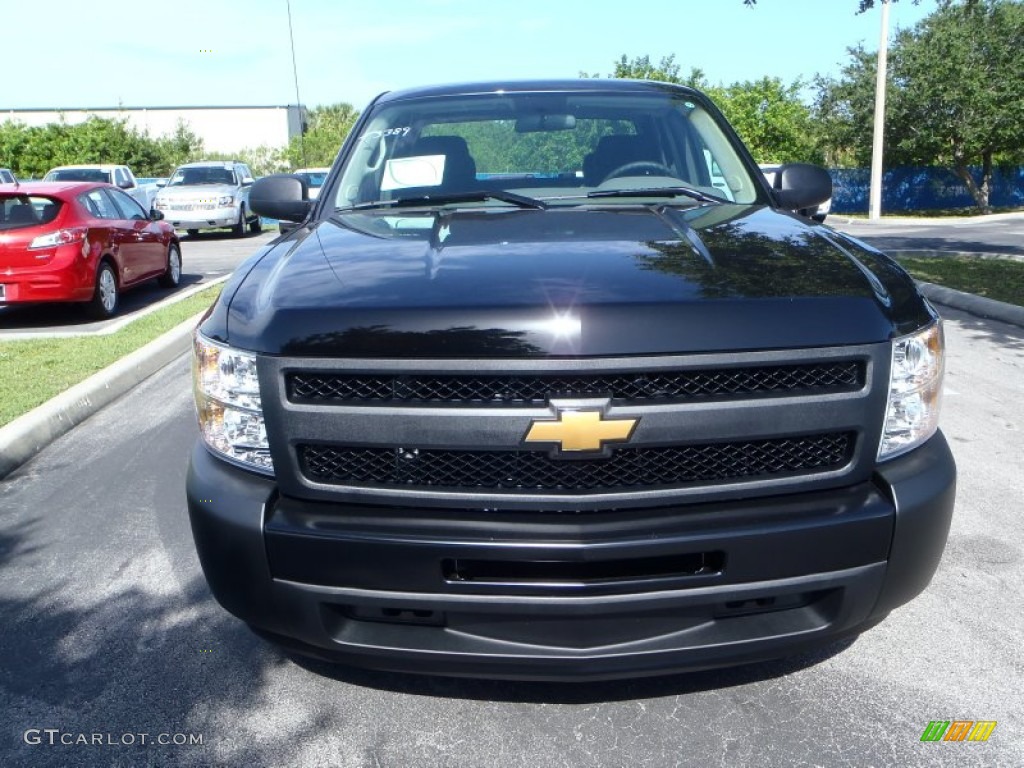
209,195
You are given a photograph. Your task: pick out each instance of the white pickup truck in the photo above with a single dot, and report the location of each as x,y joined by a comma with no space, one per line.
118,175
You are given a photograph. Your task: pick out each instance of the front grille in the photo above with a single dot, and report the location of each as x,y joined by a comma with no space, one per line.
626,468
192,206
536,389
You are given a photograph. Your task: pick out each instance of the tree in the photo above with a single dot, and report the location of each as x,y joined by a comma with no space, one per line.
32,151
843,111
956,97
862,5
262,160
773,122
961,94
326,129
182,146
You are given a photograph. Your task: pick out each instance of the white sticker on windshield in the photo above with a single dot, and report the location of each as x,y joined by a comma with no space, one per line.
420,171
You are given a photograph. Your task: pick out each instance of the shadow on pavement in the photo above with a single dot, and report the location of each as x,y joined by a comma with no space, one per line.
984,329
73,317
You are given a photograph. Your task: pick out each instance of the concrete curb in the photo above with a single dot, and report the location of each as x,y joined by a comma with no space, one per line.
975,305
24,437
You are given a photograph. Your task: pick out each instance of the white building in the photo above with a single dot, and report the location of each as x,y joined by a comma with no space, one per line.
222,129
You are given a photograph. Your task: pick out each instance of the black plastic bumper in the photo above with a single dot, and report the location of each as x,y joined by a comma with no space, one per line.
570,596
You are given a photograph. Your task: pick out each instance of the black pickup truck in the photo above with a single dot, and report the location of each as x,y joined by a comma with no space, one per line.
550,384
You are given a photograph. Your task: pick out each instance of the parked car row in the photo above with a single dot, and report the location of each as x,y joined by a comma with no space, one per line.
80,241
87,232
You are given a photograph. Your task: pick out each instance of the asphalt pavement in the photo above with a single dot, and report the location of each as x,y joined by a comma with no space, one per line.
110,634
998,234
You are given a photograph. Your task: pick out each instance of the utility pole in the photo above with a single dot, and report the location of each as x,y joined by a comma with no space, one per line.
877,145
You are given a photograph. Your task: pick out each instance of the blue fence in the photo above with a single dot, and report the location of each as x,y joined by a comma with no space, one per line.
922,189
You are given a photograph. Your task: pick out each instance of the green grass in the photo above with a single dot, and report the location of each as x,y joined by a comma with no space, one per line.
34,370
999,279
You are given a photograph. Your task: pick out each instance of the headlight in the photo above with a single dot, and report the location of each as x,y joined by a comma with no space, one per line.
225,200
227,393
915,391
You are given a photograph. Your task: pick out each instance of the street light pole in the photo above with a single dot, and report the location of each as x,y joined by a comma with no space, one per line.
877,145
295,72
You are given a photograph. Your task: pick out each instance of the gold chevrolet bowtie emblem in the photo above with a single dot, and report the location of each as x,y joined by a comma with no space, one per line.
580,430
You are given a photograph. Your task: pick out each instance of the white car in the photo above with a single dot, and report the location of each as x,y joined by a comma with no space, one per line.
818,214
209,195
315,177
120,176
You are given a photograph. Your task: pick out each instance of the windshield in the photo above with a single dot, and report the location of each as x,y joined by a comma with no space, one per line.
555,147
189,176
79,174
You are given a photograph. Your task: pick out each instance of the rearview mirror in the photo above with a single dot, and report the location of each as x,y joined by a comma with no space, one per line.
545,122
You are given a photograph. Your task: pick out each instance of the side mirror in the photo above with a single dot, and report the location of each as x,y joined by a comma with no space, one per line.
282,196
161,183
125,184
247,181
155,215
800,185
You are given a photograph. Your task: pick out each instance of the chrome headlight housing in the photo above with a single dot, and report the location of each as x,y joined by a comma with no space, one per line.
227,395
915,391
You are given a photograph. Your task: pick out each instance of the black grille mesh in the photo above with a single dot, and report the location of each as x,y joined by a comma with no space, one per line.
532,389
536,471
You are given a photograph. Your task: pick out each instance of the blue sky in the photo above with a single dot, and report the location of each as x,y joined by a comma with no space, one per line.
235,52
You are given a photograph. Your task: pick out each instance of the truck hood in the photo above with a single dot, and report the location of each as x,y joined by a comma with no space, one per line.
629,280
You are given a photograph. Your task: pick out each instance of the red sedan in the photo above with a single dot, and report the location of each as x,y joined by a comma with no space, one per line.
81,242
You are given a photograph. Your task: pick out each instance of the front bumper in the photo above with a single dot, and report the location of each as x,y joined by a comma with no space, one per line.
213,218
603,594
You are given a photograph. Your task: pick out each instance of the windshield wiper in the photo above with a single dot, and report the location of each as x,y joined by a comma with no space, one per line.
657,192
521,201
